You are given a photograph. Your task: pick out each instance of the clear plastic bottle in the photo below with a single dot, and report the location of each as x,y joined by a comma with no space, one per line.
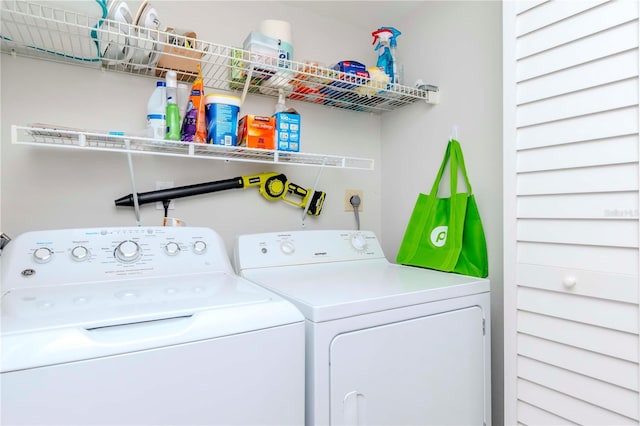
173,112
280,106
183,94
156,112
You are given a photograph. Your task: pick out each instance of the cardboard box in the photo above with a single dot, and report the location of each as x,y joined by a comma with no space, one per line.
263,53
238,71
287,134
262,47
256,131
353,75
179,58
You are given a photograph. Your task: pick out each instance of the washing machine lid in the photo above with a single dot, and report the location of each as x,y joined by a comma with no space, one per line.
49,325
104,304
336,290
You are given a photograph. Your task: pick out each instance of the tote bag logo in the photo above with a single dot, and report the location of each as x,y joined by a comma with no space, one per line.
439,235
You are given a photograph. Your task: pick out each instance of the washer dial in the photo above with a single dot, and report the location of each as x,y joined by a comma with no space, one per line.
127,251
80,253
172,249
43,254
199,247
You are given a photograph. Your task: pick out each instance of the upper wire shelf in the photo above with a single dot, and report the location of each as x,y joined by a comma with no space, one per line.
60,137
39,31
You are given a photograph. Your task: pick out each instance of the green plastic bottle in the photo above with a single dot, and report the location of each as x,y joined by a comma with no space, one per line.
173,112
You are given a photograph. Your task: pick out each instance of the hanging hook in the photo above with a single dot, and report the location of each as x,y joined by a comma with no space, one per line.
454,132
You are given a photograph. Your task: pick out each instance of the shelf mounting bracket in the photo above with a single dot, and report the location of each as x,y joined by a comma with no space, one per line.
136,205
433,97
247,82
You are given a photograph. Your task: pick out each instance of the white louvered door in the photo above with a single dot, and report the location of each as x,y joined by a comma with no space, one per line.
571,182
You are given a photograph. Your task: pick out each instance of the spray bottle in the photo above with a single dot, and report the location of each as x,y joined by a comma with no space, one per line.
173,112
280,106
386,47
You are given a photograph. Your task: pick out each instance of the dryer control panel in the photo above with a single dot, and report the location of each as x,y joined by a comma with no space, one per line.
305,247
69,256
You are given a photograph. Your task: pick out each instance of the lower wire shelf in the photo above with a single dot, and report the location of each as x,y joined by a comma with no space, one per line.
62,137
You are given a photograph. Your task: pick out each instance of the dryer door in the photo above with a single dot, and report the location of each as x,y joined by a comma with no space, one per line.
428,371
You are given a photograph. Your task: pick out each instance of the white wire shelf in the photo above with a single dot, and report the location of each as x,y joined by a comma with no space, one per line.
57,137
39,31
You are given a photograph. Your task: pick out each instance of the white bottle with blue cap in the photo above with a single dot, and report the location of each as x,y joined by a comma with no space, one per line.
156,112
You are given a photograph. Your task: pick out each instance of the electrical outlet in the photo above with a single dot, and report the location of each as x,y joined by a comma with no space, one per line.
164,185
348,193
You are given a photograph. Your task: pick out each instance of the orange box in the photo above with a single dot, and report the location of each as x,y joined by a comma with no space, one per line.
256,131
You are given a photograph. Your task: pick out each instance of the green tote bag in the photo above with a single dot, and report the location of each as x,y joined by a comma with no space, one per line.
446,234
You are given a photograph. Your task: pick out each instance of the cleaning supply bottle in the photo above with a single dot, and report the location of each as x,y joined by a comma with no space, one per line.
280,106
173,112
198,102
156,112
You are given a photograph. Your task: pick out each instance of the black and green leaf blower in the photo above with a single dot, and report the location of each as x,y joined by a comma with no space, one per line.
272,186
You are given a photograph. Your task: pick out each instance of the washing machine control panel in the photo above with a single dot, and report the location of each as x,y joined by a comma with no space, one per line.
71,256
304,247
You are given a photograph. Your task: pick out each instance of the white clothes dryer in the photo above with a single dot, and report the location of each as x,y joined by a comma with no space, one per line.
386,344
143,326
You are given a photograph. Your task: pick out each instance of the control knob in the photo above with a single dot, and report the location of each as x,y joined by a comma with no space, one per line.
172,249
127,251
199,247
43,255
80,253
287,247
359,242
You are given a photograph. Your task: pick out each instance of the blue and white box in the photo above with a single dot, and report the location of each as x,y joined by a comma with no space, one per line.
287,137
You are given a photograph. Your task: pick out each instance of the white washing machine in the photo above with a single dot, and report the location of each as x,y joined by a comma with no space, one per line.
386,344
143,326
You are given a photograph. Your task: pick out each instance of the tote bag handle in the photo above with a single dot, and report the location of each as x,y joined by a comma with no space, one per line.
436,183
460,163
453,154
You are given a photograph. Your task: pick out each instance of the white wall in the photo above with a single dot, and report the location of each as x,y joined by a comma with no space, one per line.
455,45
458,47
